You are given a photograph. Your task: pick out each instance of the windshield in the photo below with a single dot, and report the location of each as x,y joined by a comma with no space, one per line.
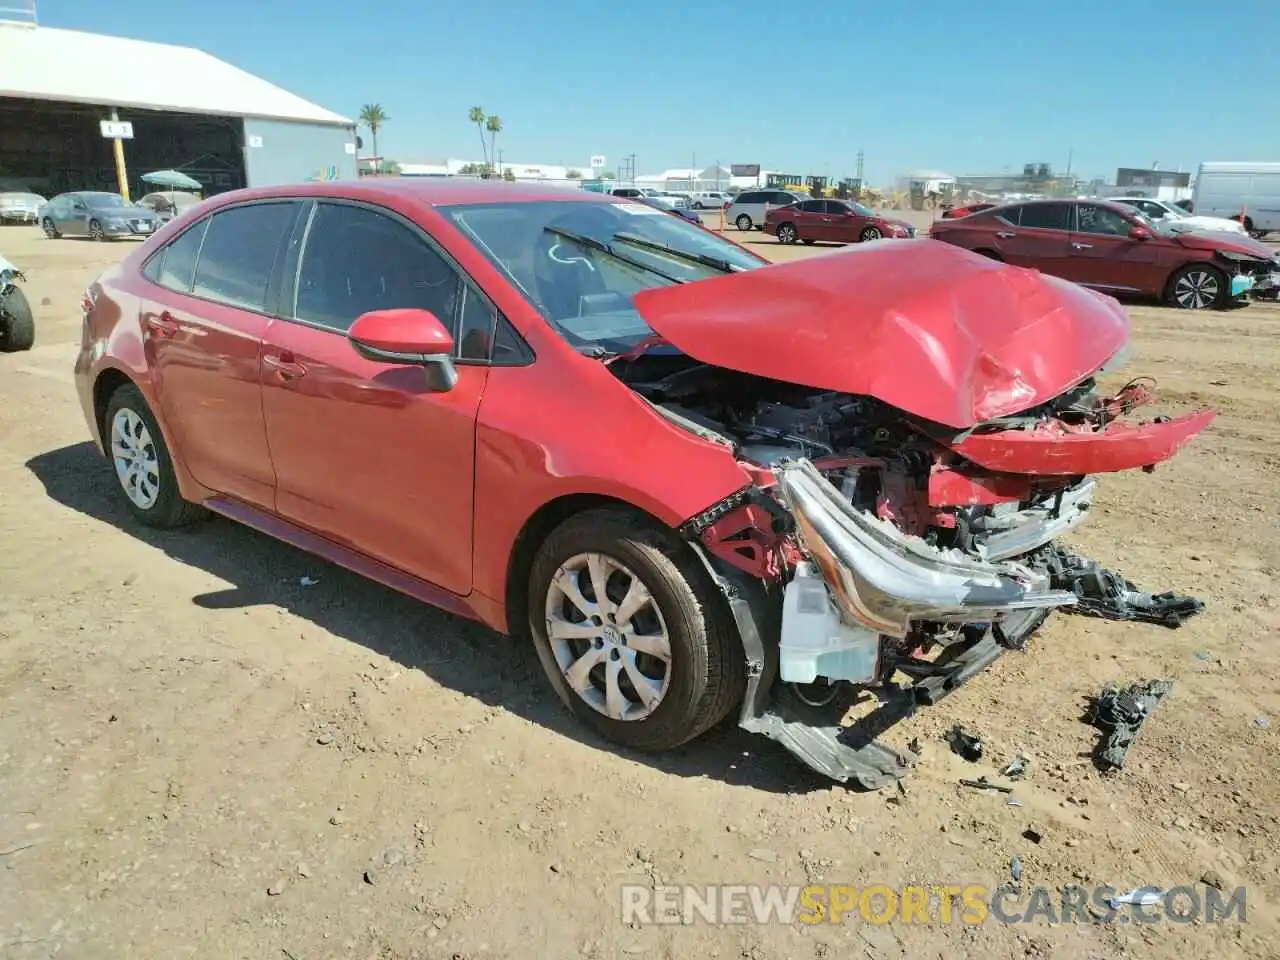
103,199
582,290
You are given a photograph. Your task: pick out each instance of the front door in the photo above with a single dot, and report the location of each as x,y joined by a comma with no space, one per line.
365,453
203,325
1106,257
72,216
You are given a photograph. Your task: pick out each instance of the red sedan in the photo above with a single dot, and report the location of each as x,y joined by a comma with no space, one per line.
699,484
832,221
1113,247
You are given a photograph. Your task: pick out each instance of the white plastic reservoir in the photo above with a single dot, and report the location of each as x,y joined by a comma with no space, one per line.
815,641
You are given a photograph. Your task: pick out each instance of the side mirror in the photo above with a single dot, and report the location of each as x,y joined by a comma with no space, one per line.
407,336
1139,233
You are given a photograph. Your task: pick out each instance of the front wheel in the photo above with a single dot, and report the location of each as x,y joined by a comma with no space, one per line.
95,231
143,466
743,222
1198,286
869,234
49,229
632,632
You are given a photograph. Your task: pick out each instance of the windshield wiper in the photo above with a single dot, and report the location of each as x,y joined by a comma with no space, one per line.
607,250
715,263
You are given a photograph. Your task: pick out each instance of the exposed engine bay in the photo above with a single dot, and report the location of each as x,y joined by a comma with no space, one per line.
909,555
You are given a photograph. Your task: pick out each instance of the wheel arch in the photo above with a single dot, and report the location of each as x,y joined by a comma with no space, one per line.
105,385
534,533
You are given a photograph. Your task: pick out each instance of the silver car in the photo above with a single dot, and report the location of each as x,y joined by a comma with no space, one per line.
99,216
20,207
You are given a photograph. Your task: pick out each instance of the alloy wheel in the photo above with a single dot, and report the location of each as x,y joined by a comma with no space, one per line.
608,636
871,233
95,230
1197,289
743,222
136,461
50,230
786,233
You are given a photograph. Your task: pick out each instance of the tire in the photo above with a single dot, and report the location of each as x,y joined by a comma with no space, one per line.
166,509
869,234
17,324
50,231
1198,286
786,233
95,231
704,675
743,222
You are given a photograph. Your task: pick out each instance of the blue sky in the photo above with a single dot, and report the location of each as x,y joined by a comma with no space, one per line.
963,87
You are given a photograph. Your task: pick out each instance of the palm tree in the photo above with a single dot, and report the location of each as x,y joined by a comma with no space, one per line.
373,116
494,126
476,115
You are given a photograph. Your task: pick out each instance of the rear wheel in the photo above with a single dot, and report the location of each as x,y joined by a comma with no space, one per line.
632,632
17,324
869,234
787,233
49,229
743,222
143,466
1198,286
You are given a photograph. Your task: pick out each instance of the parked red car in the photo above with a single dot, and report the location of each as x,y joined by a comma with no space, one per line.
1114,248
832,221
699,483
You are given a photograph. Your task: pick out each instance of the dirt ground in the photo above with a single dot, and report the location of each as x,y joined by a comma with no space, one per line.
202,755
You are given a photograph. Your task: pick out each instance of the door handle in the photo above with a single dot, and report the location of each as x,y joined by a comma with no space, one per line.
162,324
285,366
1083,246
1005,234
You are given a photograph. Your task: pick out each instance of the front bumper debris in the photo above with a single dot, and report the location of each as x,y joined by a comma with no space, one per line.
1107,594
1120,714
883,579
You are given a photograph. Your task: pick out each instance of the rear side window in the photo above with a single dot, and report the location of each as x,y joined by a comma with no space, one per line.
1009,215
239,252
175,267
750,198
1047,216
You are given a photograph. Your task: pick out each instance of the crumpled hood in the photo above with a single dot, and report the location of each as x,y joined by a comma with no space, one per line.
927,327
1223,240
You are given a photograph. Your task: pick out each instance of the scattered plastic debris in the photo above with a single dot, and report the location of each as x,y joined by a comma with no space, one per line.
1016,768
308,581
982,783
1014,802
965,744
1015,870
1107,594
1142,897
1204,655
1033,834
1263,722
1120,714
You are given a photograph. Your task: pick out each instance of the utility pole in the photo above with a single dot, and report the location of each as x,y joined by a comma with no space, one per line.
861,157
499,164
717,176
117,146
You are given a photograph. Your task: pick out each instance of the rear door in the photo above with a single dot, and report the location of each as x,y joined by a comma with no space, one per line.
204,322
1103,254
365,454
1040,239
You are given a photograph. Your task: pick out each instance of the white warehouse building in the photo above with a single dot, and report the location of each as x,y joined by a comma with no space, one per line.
188,111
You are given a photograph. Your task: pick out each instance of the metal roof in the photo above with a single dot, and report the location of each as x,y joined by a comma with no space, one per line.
46,63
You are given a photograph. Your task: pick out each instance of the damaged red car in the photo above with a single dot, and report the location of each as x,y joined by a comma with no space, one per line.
701,484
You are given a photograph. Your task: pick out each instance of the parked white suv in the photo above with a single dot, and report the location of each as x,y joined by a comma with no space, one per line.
656,197
1168,214
747,211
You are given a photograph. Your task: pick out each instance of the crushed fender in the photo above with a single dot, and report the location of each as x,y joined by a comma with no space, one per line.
1107,594
1120,714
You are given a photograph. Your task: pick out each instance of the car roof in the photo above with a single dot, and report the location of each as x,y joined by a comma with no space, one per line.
433,191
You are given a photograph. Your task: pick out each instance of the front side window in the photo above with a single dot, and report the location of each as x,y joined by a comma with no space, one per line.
750,198
357,260
1101,220
239,251
583,290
